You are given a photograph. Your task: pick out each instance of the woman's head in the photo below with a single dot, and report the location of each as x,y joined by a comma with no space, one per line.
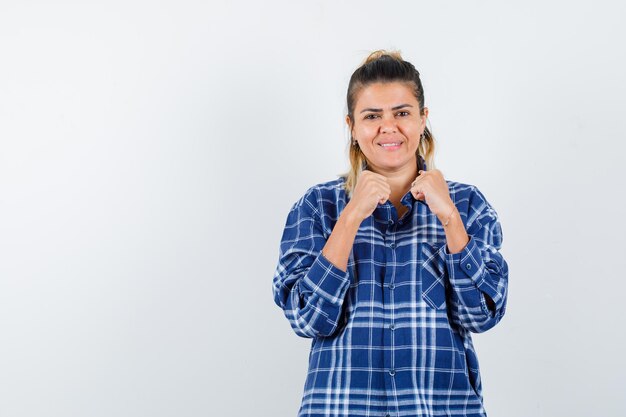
384,79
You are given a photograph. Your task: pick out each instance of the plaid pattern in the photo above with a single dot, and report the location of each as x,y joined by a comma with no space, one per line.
391,336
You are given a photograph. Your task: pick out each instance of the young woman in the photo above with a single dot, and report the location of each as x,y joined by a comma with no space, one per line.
390,267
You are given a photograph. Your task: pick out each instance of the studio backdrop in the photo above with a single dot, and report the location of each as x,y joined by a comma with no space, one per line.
150,153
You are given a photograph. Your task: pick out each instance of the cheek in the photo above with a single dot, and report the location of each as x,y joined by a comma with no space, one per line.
411,130
365,132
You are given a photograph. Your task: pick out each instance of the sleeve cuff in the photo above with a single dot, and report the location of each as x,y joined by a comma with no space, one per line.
326,280
466,265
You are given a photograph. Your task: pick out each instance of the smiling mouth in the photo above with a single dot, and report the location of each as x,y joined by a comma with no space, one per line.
394,145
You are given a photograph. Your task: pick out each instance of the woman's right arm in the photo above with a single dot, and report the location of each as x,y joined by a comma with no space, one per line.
339,244
371,189
310,286
307,285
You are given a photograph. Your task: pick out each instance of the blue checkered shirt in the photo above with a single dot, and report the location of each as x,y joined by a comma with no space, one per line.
391,335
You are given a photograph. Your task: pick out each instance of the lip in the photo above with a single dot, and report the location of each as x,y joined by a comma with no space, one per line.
391,148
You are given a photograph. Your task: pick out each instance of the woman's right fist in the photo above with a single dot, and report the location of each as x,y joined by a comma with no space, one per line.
370,190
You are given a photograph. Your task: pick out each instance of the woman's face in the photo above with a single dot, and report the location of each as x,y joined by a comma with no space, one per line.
388,125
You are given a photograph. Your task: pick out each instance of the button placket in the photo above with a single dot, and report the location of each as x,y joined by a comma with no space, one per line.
389,242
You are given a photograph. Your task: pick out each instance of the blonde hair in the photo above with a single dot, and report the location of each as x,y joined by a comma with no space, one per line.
384,66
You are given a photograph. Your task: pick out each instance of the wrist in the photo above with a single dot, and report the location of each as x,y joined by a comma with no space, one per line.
456,235
350,217
447,215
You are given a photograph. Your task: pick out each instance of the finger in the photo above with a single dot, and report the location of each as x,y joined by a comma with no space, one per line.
382,181
382,187
371,175
418,191
376,190
421,176
379,176
423,180
375,179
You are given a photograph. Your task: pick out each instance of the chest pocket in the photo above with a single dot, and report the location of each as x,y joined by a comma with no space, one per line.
433,275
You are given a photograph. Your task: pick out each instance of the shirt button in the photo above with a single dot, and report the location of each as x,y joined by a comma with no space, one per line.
392,245
392,286
392,372
468,266
390,222
392,326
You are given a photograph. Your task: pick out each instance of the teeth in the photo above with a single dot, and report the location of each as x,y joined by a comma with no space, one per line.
389,144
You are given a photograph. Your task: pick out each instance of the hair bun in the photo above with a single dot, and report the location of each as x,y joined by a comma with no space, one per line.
382,52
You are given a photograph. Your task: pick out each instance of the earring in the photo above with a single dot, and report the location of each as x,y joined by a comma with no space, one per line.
422,136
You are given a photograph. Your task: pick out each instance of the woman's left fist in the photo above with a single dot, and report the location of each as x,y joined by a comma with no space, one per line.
432,188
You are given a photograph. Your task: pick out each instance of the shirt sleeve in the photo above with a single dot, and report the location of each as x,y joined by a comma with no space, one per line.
479,270
306,285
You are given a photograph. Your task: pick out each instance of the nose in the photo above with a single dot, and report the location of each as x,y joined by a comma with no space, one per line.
388,125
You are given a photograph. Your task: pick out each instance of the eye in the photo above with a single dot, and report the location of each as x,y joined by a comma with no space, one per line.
403,113
367,117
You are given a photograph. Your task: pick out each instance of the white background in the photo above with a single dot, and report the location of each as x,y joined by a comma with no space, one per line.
150,152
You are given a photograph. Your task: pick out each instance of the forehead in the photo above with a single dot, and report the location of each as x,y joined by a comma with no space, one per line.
385,95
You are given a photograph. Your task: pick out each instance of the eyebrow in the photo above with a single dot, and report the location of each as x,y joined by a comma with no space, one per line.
393,108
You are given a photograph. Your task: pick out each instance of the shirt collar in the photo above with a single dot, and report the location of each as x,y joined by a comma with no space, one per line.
383,211
408,198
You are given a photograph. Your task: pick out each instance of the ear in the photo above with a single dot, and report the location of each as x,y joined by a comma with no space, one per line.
425,115
349,124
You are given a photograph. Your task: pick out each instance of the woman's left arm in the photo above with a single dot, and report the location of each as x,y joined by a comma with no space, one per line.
476,270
